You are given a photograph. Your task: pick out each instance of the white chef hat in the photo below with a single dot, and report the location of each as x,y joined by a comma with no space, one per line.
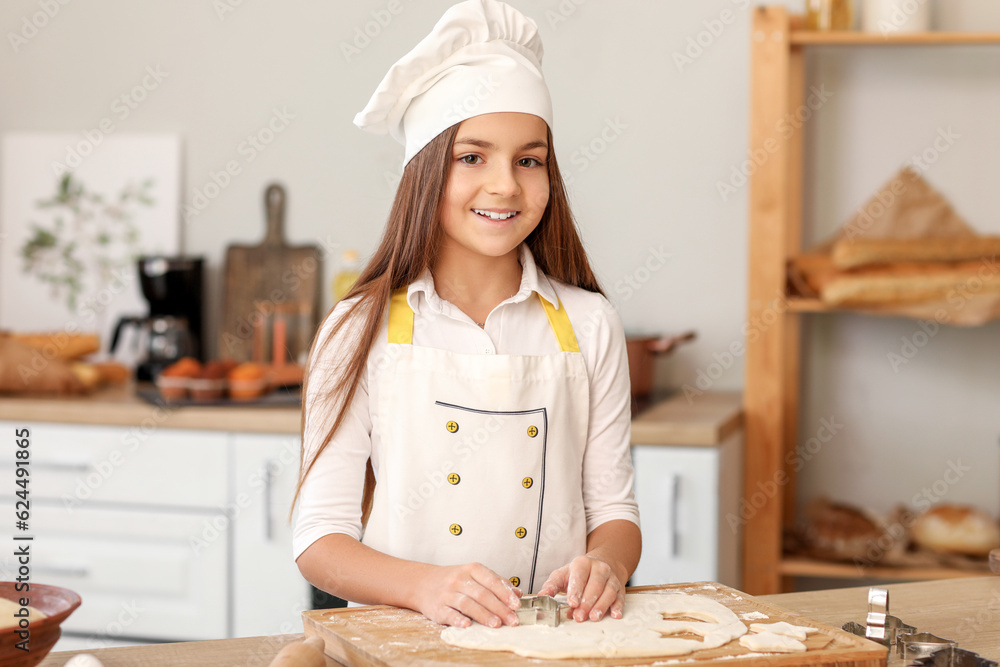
483,56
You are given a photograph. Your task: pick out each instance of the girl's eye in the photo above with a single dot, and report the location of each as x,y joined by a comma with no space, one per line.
529,162
469,159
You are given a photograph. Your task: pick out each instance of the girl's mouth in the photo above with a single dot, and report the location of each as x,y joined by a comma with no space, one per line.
493,215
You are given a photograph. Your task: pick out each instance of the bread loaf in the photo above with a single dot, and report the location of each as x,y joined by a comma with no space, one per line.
906,283
61,345
852,254
956,529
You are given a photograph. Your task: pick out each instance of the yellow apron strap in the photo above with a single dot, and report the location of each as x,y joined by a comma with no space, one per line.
561,325
400,318
401,322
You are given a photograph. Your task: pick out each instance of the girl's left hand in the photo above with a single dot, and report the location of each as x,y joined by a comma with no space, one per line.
592,588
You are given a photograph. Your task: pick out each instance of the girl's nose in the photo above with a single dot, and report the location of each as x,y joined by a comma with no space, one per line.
503,181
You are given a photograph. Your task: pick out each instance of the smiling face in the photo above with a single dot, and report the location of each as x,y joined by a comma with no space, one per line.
498,184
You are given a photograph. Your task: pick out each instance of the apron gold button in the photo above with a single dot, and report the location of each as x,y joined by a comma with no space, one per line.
520,532
527,482
516,581
453,478
452,427
532,431
455,529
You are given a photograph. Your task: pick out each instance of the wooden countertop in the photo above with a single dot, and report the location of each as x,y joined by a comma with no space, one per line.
119,406
705,421
966,610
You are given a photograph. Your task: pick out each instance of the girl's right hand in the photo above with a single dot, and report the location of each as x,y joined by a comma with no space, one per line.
459,594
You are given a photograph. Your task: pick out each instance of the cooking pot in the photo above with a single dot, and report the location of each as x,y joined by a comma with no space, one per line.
642,353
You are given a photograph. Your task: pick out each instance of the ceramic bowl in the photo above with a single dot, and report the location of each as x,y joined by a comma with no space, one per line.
55,602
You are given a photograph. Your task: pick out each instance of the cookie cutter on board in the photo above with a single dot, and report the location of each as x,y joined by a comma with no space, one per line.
914,646
542,610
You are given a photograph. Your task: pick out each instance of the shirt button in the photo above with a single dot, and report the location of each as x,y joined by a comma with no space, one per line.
516,581
488,350
455,529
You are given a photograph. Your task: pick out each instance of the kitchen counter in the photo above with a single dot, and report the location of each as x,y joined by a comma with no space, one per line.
966,610
707,420
119,406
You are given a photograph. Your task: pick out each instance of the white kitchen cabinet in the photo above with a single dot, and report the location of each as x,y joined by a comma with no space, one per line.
166,534
688,483
269,594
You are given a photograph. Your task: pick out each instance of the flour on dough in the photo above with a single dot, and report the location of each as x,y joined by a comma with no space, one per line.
782,628
639,633
754,616
768,642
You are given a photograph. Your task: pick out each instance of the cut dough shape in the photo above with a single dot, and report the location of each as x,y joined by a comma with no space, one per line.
639,633
768,642
783,628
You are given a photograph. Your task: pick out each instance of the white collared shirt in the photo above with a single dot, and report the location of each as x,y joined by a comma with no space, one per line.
330,501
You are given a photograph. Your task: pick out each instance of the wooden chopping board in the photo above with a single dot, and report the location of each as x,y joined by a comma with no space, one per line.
388,636
267,278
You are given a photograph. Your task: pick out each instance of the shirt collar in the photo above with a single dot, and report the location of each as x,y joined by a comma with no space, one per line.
532,280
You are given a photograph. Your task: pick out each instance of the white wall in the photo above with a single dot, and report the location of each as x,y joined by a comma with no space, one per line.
654,187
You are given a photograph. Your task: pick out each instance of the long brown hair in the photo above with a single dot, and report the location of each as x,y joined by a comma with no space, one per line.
408,246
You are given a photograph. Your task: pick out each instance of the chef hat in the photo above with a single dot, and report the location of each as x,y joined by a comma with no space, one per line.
483,56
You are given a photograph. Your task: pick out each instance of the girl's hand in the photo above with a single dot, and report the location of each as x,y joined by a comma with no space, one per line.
459,594
592,588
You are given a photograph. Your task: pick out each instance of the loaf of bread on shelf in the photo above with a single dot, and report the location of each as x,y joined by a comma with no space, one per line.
838,531
909,282
859,252
956,529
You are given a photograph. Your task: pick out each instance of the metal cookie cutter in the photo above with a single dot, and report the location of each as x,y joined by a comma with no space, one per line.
918,645
542,610
954,657
879,626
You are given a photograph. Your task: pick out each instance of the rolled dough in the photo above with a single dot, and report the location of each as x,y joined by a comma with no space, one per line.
783,628
769,642
639,633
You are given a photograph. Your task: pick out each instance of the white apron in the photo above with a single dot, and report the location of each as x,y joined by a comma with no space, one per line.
481,456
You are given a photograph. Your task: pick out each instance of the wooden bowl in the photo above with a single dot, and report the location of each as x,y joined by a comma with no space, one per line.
55,602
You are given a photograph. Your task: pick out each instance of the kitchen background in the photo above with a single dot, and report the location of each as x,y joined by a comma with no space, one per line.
651,102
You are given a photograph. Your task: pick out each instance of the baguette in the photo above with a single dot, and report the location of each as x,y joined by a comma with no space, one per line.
61,345
908,283
869,252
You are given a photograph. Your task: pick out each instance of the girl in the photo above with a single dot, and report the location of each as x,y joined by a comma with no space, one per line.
466,422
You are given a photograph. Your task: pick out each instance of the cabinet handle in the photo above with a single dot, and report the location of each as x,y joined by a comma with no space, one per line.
675,491
62,571
270,471
61,465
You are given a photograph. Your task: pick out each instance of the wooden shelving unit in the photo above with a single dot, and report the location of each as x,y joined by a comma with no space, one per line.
771,392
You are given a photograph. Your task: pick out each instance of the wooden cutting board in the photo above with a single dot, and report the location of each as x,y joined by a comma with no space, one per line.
268,278
387,636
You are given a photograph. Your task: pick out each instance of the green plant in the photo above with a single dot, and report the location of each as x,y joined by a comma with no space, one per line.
87,237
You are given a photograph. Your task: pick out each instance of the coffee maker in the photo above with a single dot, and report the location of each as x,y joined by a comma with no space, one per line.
173,327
